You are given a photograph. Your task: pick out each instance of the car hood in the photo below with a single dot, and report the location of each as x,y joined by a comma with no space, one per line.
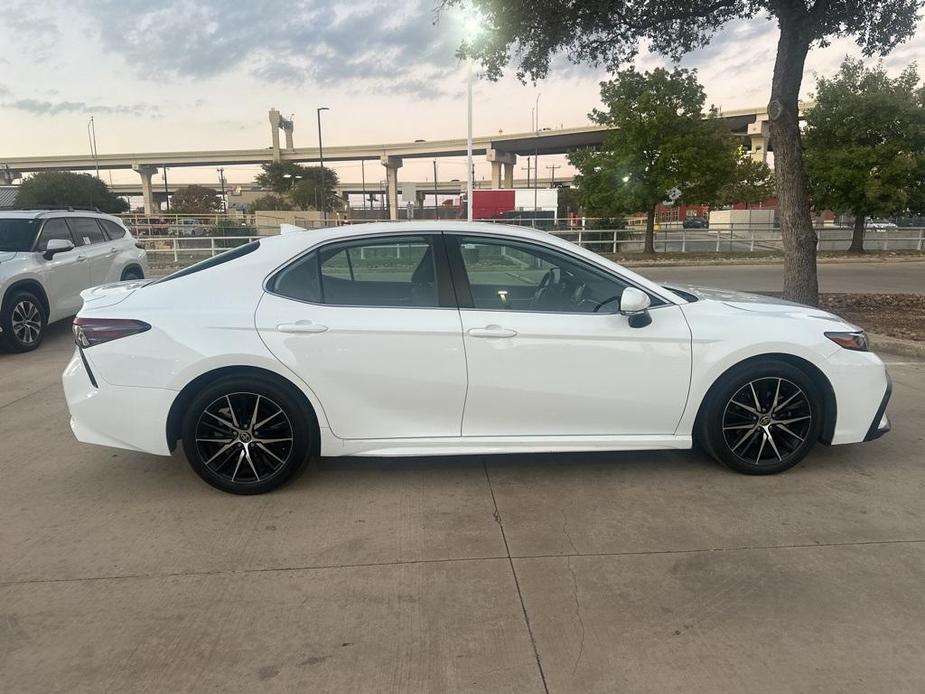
758,303
7,255
106,295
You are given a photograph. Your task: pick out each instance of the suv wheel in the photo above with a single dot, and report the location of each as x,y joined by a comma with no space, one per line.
762,418
23,321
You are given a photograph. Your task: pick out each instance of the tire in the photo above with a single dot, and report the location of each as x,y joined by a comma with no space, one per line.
132,273
23,320
239,451
744,429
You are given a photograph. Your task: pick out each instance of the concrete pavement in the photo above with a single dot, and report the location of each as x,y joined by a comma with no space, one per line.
638,572
858,277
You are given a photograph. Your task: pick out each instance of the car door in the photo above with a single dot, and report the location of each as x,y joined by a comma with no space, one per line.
65,274
371,325
94,245
548,352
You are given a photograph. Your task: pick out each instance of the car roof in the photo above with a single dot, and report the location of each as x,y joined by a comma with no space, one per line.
48,214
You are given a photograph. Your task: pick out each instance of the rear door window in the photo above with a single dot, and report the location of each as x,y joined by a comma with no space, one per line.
113,231
86,230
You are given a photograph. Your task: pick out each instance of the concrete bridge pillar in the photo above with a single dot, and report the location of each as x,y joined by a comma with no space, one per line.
759,133
147,171
499,159
8,175
392,165
275,119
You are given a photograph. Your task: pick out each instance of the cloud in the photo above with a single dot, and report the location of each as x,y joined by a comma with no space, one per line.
40,107
289,42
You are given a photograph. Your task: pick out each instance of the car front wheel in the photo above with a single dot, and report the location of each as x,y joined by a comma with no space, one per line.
246,435
23,321
763,418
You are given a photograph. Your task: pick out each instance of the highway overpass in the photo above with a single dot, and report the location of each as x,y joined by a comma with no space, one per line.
501,150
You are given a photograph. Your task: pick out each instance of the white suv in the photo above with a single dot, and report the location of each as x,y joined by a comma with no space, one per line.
48,257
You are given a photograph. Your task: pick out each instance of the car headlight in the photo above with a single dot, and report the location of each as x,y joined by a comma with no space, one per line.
855,341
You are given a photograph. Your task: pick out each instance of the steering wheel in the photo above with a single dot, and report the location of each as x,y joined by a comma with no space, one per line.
597,308
550,279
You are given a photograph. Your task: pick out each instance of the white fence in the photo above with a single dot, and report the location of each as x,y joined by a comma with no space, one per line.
187,249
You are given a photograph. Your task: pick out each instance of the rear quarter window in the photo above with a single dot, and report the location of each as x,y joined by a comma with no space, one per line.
215,261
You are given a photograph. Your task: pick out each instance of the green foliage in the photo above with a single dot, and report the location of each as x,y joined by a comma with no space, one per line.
279,176
271,202
67,189
313,190
609,33
195,200
865,141
661,140
752,182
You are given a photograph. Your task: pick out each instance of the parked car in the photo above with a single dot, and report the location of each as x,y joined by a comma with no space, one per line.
428,339
185,226
47,257
881,225
696,223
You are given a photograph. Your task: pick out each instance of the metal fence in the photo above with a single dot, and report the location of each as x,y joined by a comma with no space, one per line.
179,250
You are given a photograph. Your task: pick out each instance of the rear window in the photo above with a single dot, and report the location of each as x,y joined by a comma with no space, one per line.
214,261
86,231
113,231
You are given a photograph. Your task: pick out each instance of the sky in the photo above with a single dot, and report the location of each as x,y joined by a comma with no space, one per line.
202,74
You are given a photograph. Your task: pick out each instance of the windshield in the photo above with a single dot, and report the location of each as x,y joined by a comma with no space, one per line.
17,234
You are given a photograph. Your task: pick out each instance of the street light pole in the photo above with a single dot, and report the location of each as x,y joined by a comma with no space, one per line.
324,201
166,191
221,180
91,133
363,183
536,156
469,143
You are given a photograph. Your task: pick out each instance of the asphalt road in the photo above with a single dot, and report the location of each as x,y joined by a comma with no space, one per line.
877,278
631,572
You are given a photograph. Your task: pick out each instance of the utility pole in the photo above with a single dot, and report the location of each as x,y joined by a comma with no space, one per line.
363,183
221,180
166,192
324,201
527,169
436,188
552,175
536,156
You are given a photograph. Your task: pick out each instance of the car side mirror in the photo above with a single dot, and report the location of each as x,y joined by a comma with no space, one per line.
634,304
55,246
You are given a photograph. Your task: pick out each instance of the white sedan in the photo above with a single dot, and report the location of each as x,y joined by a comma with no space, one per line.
452,338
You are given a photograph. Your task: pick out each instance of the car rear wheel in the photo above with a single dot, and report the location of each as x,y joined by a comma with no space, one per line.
247,435
762,418
23,321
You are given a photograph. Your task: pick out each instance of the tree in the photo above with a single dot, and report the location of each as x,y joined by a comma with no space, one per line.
314,190
280,176
609,34
67,189
752,182
659,141
271,202
865,143
196,200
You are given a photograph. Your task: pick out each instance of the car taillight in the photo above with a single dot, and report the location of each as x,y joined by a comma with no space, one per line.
855,341
95,331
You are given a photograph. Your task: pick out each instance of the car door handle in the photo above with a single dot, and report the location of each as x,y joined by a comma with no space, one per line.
80,258
302,326
492,331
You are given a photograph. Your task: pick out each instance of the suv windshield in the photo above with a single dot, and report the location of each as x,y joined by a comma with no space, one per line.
17,234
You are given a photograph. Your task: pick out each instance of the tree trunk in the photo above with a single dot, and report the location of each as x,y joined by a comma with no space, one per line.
650,231
799,237
857,238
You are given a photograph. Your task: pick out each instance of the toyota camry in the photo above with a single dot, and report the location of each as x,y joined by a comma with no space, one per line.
452,338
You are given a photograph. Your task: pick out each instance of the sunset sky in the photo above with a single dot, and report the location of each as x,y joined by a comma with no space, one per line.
201,74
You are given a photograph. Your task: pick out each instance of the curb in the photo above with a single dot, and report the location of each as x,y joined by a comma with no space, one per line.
895,345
